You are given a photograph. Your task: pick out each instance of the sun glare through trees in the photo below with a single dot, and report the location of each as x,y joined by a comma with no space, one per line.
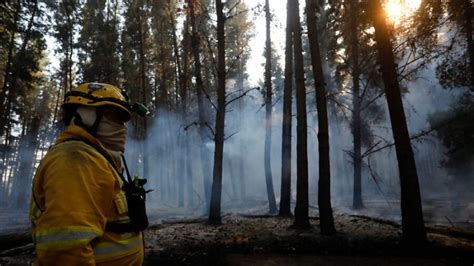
398,10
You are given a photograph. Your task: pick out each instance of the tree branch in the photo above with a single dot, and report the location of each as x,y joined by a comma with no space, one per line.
231,135
242,95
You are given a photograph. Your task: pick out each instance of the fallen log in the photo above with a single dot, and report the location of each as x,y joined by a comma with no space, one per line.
377,220
15,239
454,232
17,250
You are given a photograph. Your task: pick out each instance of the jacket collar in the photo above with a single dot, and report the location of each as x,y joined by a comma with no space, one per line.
74,132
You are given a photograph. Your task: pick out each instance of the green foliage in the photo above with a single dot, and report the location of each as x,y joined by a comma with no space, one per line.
453,71
238,34
163,62
98,42
455,127
21,59
338,44
65,20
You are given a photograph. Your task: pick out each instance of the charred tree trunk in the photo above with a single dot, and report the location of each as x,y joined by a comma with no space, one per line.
302,204
268,108
205,160
412,216
324,193
285,195
357,193
215,208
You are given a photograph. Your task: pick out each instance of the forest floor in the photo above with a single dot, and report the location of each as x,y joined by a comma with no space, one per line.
252,239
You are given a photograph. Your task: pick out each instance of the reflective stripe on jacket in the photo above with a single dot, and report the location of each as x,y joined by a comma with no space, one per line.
76,191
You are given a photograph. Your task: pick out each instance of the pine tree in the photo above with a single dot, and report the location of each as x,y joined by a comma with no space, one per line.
98,42
302,201
324,192
202,107
285,195
412,216
356,100
268,109
215,207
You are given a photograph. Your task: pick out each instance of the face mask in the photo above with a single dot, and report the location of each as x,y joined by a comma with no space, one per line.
87,115
112,134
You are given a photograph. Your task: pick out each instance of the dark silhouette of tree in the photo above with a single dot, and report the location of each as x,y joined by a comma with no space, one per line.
268,111
23,30
356,100
215,206
412,216
98,42
285,195
302,204
324,192
202,108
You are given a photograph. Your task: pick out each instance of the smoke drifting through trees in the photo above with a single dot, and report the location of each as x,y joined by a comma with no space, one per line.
169,62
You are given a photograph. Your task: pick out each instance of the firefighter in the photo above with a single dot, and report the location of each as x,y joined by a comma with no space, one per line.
79,210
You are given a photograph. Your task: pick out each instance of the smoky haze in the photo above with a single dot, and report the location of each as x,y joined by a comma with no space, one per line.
179,190
244,188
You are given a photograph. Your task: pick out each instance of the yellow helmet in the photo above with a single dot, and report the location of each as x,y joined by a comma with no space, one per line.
99,94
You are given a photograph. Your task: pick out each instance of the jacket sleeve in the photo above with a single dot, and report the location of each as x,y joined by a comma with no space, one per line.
78,188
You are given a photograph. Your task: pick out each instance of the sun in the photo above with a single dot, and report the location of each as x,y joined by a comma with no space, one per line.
399,10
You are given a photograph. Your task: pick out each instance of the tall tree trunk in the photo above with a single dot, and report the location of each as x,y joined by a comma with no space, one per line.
8,70
215,210
24,172
285,195
205,160
176,54
243,144
324,193
189,174
181,169
163,95
143,88
68,8
470,44
183,92
268,108
302,204
184,99
357,158
413,228
179,91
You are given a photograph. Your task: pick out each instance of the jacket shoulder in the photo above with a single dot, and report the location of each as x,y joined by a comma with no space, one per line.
75,148
75,153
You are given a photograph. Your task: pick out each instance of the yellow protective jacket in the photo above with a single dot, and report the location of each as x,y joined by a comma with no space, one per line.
76,191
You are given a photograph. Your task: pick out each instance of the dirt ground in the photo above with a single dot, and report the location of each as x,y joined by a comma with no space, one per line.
266,240
269,240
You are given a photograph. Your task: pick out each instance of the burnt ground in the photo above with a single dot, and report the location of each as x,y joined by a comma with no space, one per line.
267,240
250,239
